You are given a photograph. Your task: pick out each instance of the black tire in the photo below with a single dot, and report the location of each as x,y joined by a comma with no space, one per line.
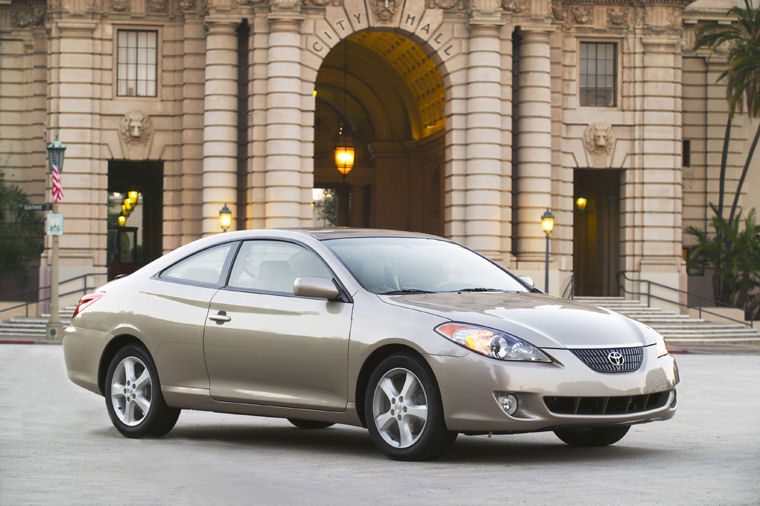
429,438
125,397
309,424
592,436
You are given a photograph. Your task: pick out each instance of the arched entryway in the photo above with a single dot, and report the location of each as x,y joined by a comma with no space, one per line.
389,96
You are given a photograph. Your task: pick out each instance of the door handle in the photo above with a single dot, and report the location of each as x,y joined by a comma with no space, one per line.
220,318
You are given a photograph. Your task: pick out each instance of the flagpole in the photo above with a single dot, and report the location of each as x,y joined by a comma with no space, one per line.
55,154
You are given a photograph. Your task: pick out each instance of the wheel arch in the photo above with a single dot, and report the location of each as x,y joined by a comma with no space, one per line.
372,361
111,349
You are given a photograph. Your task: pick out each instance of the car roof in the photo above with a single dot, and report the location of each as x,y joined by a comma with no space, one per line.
323,234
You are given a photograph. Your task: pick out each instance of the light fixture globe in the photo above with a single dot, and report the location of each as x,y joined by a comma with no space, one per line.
56,150
344,153
225,218
547,222
133,195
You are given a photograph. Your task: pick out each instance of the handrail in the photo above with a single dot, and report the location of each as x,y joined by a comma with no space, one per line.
569,286
28,291
700,298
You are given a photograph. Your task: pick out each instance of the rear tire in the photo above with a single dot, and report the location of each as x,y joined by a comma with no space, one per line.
309,424
592,436
133,395
403,410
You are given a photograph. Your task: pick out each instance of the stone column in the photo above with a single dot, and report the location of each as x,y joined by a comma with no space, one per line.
75,85
284,197
220,130
534,154
660,144
483,193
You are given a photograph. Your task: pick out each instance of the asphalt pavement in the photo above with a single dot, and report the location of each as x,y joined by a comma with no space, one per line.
57,446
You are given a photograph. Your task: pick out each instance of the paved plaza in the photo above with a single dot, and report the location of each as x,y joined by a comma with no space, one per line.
57,446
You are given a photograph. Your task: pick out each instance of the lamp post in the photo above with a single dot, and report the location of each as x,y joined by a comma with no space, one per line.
547,223
225,218
56,151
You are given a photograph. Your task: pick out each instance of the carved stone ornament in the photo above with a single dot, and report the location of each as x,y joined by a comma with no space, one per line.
156,5
120,5
557,13
135,127
384,9
28,17
516,6
617,15
599,138
249,2
443,4
322,3
186,5
582,14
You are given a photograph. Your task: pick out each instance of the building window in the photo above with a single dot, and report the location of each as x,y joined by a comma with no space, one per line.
686,153
598,74
137,56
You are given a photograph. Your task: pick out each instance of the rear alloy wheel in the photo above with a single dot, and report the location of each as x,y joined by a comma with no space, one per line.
592,436
403,410
309,424
133,395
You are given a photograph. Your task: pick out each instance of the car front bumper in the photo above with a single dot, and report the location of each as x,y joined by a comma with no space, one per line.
471,385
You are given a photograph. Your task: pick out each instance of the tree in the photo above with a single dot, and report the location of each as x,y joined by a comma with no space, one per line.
742,76
733,254
21,232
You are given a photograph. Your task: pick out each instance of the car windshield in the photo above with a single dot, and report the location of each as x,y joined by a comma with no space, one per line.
394,265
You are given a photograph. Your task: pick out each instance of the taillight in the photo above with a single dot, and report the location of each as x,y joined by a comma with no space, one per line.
87,301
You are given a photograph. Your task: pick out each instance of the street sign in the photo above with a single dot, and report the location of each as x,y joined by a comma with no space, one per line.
54,224
47,206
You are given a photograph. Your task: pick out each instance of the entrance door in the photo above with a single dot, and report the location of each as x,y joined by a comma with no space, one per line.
138,240
596,231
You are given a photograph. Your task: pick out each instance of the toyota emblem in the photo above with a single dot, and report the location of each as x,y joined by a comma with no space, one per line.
616,358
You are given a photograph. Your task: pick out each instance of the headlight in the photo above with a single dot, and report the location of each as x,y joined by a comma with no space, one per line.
662,349
491,343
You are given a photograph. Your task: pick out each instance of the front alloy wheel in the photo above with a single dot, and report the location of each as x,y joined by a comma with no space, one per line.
133,395
403,410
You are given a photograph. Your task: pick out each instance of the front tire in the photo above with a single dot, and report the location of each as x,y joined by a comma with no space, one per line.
133,395
403,410
592,436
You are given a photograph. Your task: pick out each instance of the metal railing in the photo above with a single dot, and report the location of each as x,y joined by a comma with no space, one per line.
700,298
29,291
570,286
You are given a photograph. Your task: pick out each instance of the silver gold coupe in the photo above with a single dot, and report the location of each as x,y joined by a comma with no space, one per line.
412,336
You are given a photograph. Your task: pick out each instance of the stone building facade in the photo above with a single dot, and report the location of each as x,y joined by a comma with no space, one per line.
470,119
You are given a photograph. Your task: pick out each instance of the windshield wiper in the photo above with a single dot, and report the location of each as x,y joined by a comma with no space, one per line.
480,290
405,291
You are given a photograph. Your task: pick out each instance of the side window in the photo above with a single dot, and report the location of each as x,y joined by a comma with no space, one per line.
203,267
273,266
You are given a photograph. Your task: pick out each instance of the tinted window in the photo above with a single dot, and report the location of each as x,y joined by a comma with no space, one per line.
203,267
273,266
393,264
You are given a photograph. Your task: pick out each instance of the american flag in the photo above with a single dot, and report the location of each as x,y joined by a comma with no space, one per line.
57,187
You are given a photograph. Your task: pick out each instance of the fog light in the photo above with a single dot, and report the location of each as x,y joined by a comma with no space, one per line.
508,404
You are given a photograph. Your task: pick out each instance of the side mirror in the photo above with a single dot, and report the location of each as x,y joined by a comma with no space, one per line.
528,280
319,288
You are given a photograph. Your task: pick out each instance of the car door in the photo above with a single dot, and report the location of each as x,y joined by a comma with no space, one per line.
173,307
265,345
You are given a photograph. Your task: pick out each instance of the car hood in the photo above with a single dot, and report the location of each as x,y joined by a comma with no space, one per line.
542,320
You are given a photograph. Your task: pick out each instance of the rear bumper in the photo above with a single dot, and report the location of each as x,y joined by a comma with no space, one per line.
471,384
82,349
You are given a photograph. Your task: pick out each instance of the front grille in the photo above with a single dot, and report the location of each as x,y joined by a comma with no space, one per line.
606,405
599,358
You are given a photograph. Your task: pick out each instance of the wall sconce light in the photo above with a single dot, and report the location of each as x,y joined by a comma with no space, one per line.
225,218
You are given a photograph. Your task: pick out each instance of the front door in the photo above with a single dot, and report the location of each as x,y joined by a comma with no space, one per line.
264,345
596,231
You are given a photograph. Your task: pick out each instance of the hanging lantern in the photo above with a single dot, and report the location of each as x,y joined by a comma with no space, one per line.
225,218
133,195
344,153
122,220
